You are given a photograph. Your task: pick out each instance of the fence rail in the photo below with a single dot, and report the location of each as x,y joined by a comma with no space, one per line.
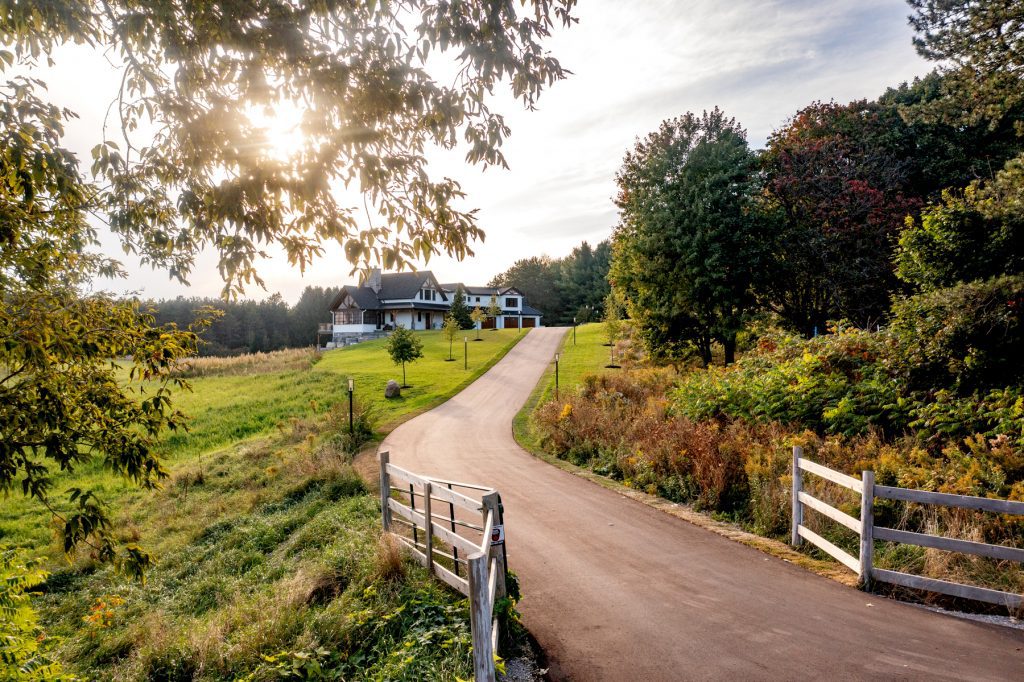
485,561
867,530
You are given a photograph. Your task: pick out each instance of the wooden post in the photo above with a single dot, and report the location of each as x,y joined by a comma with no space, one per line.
798,509
429,529
480,619
491,503
385,490
867,528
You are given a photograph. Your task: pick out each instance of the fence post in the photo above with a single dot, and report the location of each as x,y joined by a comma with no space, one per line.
798,509
480,618
867,528
385,490
429,528
492,505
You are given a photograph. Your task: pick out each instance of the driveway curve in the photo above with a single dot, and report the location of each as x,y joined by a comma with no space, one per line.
615,590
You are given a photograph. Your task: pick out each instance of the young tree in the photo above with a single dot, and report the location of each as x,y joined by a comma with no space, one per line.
478,316
686,247
450,331
404,346
494,310
459,309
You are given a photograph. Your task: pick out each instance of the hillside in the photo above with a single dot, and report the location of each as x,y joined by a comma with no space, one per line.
267,543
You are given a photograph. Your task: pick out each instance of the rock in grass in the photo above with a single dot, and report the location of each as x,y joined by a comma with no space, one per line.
392,390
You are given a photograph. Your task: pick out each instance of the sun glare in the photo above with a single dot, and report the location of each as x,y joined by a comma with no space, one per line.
278,129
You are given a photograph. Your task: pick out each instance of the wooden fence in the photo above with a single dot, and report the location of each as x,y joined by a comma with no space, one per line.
476,566
867,530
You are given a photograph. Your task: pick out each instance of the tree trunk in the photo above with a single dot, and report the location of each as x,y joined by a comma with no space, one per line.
729,343
404,384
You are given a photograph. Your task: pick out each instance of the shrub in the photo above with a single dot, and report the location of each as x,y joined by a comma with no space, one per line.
838,383
24,648
966,338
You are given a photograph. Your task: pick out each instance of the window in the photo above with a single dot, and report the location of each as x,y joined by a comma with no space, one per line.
348,316
512,302
419,317
477,299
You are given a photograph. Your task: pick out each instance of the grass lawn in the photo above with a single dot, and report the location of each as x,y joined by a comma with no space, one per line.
588,355
265,538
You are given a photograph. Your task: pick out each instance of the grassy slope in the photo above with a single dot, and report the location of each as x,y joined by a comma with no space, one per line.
227,410
265,538
588,355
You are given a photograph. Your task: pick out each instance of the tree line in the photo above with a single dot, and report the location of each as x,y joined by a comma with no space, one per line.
574,286
849,208
249,326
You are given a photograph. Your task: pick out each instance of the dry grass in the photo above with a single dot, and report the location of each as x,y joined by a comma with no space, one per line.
288,360
390,559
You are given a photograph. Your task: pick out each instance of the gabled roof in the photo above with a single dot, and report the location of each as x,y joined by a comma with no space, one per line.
394,286
481,291
405,285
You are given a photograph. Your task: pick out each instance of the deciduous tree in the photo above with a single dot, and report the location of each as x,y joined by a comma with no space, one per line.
404,346
450,331
686,247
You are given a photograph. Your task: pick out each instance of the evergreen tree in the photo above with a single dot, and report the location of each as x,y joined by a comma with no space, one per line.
459,310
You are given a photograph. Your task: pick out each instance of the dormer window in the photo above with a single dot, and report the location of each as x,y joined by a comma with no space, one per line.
511,302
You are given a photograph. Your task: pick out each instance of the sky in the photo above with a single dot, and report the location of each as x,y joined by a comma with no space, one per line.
634,64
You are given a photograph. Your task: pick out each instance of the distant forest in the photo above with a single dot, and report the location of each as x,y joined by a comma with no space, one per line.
563,288
252,326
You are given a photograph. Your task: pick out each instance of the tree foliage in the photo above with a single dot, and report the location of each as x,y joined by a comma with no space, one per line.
450,332
478,316
67,350
687,245
980,44
494,310
24,647
403,345
459,310
202,75
191,164
562,288
249,326
838,191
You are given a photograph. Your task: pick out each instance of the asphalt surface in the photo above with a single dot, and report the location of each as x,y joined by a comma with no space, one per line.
615,590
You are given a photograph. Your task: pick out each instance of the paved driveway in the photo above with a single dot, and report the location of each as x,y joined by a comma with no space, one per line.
615,590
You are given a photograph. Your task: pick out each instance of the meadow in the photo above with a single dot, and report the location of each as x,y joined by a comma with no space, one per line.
269,559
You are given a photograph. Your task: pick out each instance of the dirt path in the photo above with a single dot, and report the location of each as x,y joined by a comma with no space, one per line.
615,590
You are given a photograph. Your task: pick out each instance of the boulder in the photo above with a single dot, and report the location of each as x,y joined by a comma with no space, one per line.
392,390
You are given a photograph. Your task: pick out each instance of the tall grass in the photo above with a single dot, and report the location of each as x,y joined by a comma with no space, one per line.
288,360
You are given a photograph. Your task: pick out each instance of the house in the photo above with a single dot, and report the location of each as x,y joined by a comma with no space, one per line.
416,300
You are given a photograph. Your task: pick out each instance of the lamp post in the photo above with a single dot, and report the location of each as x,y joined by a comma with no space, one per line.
574,331
465,352
556,376
351,388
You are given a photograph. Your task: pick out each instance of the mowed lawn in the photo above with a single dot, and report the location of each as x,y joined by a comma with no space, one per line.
227,410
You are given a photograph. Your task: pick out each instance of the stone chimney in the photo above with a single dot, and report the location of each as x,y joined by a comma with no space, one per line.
373,281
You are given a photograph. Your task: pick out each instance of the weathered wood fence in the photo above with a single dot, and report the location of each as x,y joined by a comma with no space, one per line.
476,566
867,530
